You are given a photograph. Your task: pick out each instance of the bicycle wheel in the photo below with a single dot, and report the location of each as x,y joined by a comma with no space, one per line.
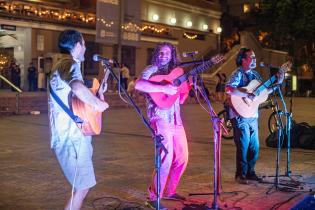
227,124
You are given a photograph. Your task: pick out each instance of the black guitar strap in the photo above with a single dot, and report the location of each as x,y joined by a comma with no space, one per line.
74,117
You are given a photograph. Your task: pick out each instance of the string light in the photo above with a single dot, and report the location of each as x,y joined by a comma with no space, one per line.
4,59
152,28
136,28
58,14
190,36
48,12
106,23
131,27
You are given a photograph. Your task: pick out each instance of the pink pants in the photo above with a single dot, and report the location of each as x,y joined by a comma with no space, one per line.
174,163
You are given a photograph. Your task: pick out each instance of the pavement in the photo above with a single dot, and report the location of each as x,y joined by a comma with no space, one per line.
31,179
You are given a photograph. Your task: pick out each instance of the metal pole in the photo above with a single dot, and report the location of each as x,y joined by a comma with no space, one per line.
219,44
120,24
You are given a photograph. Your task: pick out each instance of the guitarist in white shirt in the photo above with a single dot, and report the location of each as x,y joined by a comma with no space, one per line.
245,129
73,149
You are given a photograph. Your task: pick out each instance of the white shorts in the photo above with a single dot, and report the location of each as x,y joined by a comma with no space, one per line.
72,154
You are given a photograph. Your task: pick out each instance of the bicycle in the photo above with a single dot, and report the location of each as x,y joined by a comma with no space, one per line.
272,126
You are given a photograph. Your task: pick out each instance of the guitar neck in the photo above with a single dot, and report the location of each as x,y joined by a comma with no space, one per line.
265,85
194,71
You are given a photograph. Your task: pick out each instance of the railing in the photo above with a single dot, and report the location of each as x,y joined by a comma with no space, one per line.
36,12
10,83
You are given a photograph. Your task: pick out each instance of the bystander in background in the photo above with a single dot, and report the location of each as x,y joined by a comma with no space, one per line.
32,77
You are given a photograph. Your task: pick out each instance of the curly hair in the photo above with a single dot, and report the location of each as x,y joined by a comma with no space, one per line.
175,60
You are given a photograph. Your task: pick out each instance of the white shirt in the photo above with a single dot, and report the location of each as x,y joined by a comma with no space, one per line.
62,127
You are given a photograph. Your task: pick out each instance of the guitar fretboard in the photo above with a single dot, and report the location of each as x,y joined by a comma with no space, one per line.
266,84
194,71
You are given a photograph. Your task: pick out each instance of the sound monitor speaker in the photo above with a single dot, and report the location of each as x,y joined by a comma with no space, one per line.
308,203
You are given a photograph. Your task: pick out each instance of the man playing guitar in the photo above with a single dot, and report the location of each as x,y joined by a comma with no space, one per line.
246,128
167,122
73,149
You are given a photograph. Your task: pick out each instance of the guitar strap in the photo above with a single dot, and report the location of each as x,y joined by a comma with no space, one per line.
75,118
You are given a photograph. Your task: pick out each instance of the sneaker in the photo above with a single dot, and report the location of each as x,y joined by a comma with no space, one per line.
175,197
241,180
254,177
153,205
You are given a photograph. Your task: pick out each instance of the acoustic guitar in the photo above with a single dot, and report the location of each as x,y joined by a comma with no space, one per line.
92,120
178,78
247,107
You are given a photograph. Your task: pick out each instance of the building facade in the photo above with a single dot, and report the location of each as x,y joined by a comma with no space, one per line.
30,31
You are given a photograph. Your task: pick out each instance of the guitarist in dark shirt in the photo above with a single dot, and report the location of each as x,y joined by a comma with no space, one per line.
245,129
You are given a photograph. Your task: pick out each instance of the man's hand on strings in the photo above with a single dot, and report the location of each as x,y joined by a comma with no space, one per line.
280,77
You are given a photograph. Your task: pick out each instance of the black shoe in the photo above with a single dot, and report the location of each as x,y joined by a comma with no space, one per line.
175,197
254,177
241,180
153,205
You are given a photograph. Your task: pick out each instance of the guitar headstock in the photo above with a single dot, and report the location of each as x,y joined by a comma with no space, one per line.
217,58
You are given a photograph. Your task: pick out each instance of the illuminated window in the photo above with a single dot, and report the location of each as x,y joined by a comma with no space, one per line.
246,8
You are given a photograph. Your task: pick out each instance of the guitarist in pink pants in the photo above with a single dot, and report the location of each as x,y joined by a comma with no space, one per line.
245,128
167,122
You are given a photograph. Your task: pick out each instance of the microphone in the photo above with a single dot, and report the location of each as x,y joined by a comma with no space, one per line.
266,65
192,53
263,65
97,57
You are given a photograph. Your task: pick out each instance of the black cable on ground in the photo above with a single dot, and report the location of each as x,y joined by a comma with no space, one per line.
278,205
113,203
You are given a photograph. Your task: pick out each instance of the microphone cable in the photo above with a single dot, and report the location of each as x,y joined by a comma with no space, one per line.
75,174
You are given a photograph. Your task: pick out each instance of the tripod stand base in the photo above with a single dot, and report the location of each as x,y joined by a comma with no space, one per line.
289,182
215,207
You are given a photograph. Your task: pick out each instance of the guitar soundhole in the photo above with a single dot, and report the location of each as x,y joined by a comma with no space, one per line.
88,83
165,96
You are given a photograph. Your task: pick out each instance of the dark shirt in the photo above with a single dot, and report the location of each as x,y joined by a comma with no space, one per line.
31,72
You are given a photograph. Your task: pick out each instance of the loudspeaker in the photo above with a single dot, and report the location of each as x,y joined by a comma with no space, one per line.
307,203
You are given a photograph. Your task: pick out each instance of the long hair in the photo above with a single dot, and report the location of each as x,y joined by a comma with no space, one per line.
68,39
175,60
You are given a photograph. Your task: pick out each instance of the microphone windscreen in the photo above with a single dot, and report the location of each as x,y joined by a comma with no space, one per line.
96,57
262,64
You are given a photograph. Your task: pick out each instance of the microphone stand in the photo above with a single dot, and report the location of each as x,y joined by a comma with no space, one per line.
158,145
217,125
283,133
288,127
279,124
